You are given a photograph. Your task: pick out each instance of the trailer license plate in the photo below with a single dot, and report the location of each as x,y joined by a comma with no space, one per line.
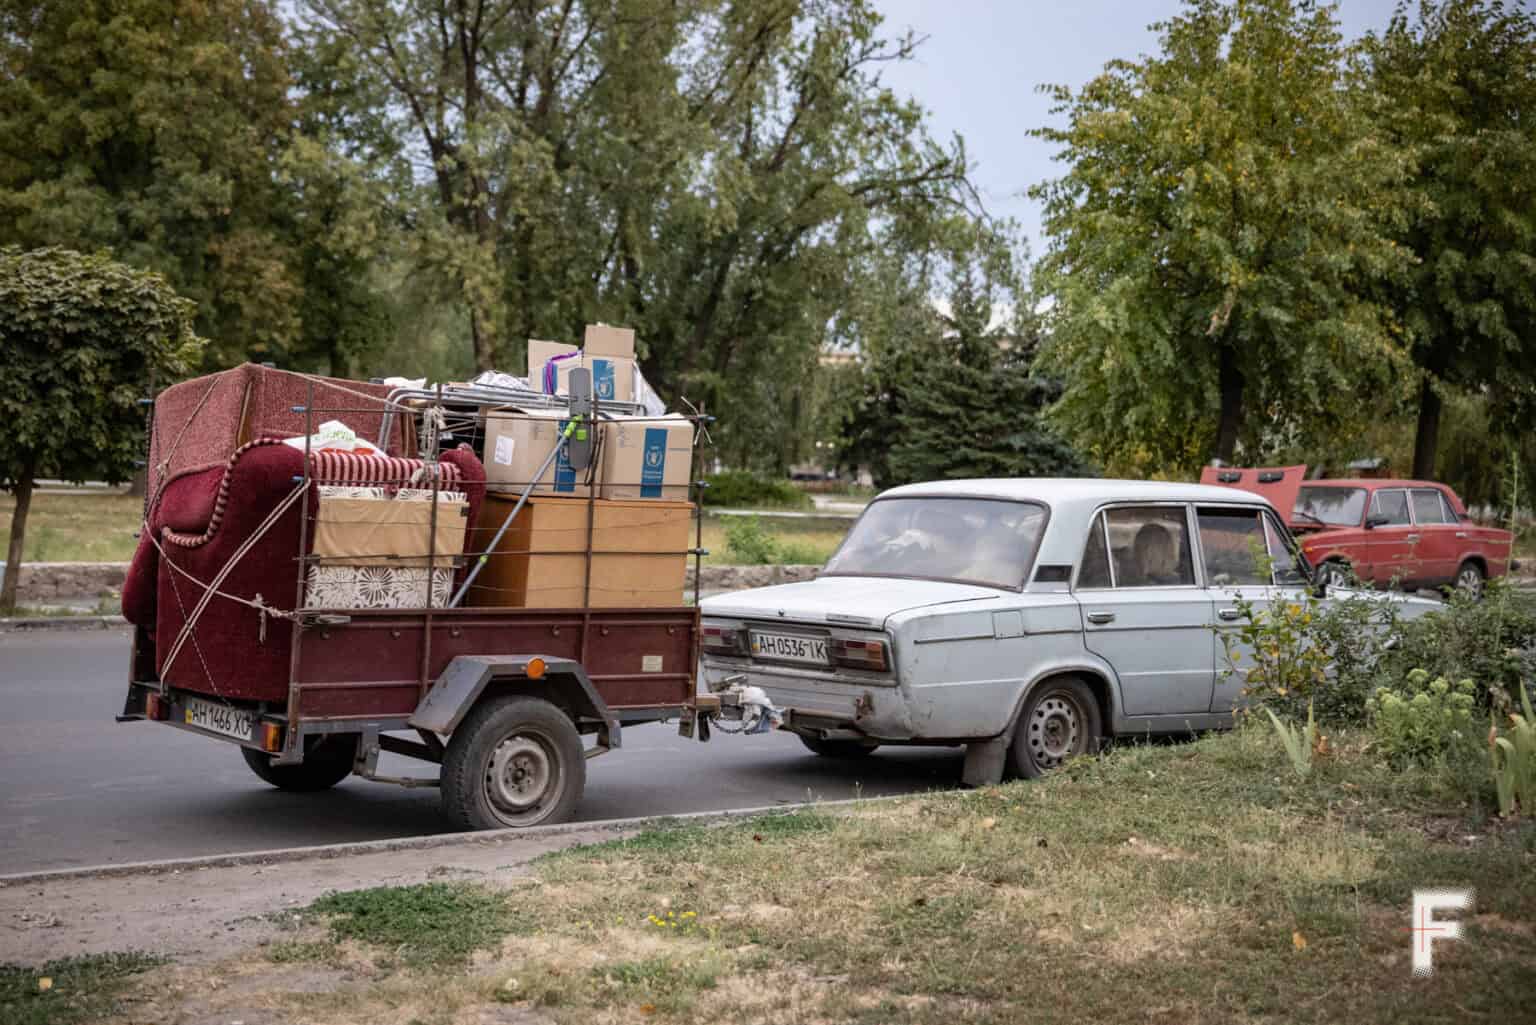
217,718
790,648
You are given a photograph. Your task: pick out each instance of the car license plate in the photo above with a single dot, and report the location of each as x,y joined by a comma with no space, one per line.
790,648
217,718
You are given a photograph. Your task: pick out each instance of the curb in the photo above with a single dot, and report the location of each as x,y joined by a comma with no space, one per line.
63,623
489,837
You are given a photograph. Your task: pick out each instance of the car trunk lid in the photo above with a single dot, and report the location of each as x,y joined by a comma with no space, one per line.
1279,484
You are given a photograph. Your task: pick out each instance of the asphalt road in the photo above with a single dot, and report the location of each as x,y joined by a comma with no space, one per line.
77,788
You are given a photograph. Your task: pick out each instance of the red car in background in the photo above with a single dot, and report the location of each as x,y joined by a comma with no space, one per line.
1391,533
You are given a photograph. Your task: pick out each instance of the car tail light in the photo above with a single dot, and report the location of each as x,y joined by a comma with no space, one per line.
870,655
271,737
156,707
722,640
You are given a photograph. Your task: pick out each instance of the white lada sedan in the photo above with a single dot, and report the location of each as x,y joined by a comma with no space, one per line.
1026,619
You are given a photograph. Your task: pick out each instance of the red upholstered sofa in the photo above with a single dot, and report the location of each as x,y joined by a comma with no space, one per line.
201,518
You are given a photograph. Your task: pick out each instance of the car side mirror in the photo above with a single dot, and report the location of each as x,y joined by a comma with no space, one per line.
1372,522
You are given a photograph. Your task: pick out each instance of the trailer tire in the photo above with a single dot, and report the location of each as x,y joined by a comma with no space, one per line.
515,761
325,764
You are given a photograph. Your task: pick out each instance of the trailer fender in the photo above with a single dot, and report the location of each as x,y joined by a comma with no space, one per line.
563,681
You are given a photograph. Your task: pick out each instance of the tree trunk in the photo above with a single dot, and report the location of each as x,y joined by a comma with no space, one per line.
485,346
1427,441
1230,381
12,583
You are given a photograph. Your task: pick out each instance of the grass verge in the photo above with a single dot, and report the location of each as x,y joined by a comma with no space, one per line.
1187,882
78,526
62,992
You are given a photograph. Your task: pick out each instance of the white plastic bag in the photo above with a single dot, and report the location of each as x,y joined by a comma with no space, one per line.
335,436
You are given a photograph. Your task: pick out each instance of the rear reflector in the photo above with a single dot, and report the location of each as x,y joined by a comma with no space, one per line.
271,737
870,655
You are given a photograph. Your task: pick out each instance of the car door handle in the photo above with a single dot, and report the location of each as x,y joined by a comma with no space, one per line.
1101,617
1228,614
1412,537
1461,533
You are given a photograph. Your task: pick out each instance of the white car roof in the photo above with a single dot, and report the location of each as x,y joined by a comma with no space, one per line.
1074,491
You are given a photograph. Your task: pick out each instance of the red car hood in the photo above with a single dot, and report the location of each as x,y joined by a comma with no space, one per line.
1279,484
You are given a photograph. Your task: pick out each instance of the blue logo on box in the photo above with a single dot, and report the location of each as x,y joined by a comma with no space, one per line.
653,462
602,379
565,474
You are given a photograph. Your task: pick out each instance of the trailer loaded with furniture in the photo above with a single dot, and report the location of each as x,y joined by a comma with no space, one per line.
488,577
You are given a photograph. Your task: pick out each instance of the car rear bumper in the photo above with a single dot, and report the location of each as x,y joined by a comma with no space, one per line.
820,704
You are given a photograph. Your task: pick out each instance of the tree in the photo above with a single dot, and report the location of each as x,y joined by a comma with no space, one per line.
715,173
84,339
1457,90
1223,215
171,132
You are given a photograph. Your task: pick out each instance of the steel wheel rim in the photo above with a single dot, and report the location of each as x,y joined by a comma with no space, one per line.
522,777
1055,730
1470,581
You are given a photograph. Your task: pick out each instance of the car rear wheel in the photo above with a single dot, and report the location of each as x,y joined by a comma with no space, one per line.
514,761
838,748
1060,721
326,763
1469,580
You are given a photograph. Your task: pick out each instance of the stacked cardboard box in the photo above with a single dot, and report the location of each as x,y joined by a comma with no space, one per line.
609,352
638,553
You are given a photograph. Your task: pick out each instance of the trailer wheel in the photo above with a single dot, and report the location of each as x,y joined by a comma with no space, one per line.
325,764
838,748
514,761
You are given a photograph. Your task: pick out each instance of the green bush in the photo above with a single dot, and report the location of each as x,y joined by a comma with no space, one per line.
738,489
749,543
1423,721
1513,760
1491,641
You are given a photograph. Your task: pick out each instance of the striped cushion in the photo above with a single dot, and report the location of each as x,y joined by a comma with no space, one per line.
327,467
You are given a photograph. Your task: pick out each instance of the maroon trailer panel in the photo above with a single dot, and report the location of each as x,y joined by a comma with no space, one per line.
368,665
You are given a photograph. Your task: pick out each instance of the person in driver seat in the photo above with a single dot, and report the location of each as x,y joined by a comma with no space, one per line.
1156,556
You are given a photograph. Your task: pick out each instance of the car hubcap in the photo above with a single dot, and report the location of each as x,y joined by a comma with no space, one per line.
520,777
1470,581
1055,731
1337,577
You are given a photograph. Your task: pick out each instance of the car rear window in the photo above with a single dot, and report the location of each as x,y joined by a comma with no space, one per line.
1427,507
1336,507
971,540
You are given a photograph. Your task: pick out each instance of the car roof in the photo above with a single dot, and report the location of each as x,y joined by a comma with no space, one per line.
1371,483
1073,490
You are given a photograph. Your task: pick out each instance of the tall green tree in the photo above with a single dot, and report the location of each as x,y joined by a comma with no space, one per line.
1225,209
165,131
714,172
83,337
1455,87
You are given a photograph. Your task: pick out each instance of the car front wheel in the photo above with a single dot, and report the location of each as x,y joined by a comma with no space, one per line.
1335,574
1060,721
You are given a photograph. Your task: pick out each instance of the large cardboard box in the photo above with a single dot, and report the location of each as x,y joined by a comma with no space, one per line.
610,359
647,458
516,444
639,554
377,531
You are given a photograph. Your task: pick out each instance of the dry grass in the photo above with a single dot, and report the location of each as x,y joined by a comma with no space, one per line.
78,526
808,540
1189,883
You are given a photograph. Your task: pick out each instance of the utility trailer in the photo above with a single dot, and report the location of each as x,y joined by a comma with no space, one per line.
509,702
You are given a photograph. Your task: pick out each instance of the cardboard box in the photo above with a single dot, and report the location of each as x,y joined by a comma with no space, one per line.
604,340
647,458
639,554
390,531
516,444
613,372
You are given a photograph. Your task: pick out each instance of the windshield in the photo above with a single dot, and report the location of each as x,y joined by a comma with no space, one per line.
974,540
1338,507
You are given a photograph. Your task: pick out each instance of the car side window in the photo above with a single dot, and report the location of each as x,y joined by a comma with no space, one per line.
1284,557
1234,546
1149,547
1451,515
1095,567
1427,507
1390,507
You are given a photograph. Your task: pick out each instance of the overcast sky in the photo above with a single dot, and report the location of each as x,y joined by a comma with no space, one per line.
977,74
